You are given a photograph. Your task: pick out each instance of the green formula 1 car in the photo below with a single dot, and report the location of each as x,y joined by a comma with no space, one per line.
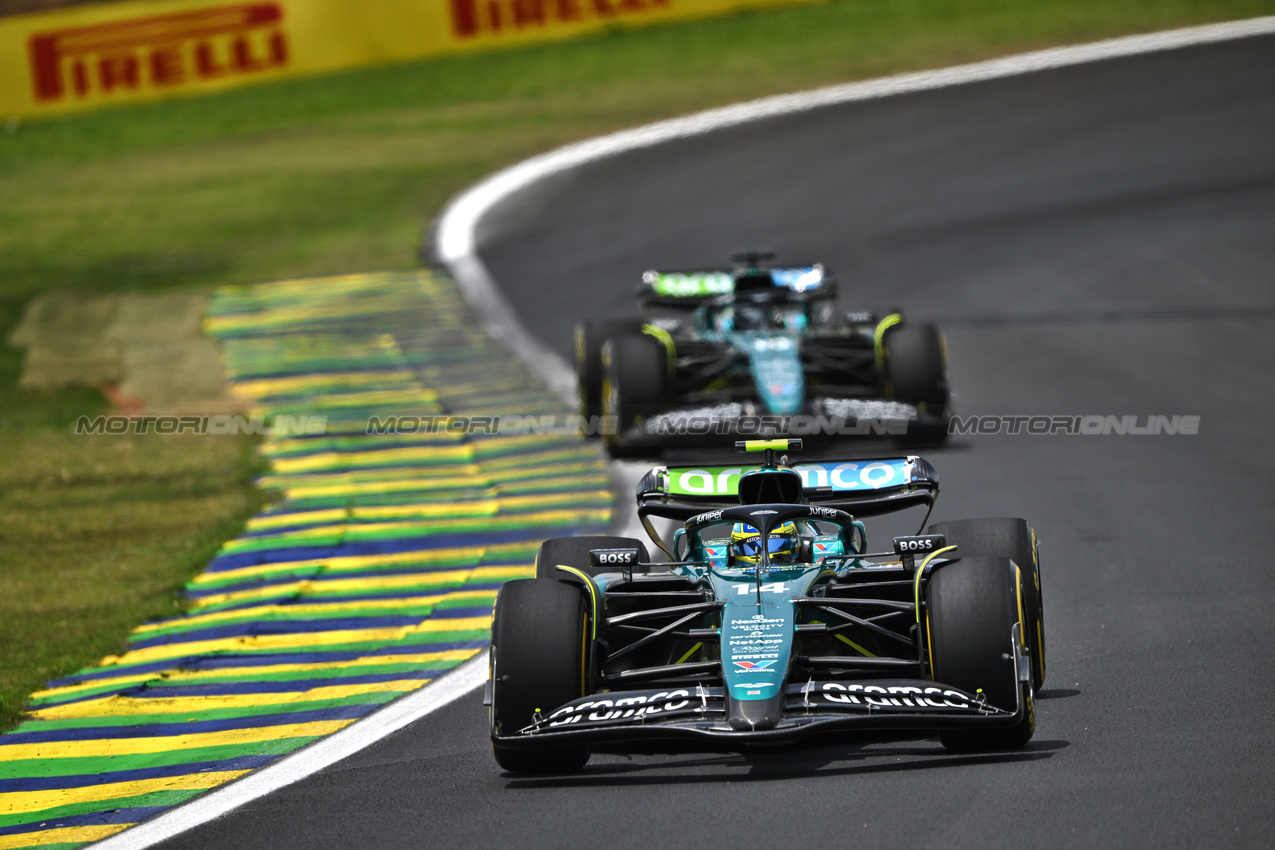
770,623
757,351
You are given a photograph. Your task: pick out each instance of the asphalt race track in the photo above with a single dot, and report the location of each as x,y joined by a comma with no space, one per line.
1096,240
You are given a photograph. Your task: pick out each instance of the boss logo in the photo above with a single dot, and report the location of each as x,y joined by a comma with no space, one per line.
919,545
613,557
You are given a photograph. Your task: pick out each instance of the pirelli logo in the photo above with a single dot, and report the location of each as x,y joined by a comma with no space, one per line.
165,51
484,17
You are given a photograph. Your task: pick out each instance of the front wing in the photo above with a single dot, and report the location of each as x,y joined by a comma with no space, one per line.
698,713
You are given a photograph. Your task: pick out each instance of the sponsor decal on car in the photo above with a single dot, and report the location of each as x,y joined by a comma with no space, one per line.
845,476
798,279
621,706
690,285
750,666
613,557
907,697
919,544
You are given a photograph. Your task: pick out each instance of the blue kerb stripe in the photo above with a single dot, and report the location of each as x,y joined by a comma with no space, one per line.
388,593
398,546
262,659
264,627
287,686
318,575
109,816
158,689
278,623
282,717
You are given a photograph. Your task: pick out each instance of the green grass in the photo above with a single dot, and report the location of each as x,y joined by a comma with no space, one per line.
98,534
340,174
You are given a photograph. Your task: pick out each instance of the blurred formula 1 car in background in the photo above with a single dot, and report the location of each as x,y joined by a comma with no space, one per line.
716,349
771,623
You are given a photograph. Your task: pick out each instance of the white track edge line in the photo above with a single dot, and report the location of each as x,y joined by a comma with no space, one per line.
444,690
455,248
455,238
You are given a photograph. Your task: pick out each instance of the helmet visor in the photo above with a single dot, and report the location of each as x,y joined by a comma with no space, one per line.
750,547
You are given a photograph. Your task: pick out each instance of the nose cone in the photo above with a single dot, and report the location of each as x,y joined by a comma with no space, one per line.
776,369
754,714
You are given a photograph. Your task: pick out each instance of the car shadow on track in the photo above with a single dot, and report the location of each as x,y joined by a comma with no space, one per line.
1057,693
853,760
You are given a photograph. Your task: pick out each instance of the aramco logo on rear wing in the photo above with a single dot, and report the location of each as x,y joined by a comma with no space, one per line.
486,17
158,52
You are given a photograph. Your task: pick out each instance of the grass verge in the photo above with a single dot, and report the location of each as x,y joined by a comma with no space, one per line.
98,534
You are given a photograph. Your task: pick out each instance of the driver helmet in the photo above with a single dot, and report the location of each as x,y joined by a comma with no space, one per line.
752,316
746,544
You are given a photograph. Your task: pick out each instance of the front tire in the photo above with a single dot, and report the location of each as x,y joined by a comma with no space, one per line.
915,367
1007,537
538,662
973,605
590,337
635,384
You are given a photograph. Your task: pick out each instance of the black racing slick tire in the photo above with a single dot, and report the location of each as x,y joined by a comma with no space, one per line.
1012,538
972,606
591,335
574,552
538,659
915,364
634,385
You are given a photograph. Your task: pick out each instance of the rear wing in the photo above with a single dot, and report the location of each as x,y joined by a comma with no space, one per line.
689,289
862,488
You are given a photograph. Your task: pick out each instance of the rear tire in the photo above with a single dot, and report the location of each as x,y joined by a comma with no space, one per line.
634,386
537,664
972,608
915,364
574,552
1006,537
590,337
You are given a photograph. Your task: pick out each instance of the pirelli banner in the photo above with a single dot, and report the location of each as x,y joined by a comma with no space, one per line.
87,57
